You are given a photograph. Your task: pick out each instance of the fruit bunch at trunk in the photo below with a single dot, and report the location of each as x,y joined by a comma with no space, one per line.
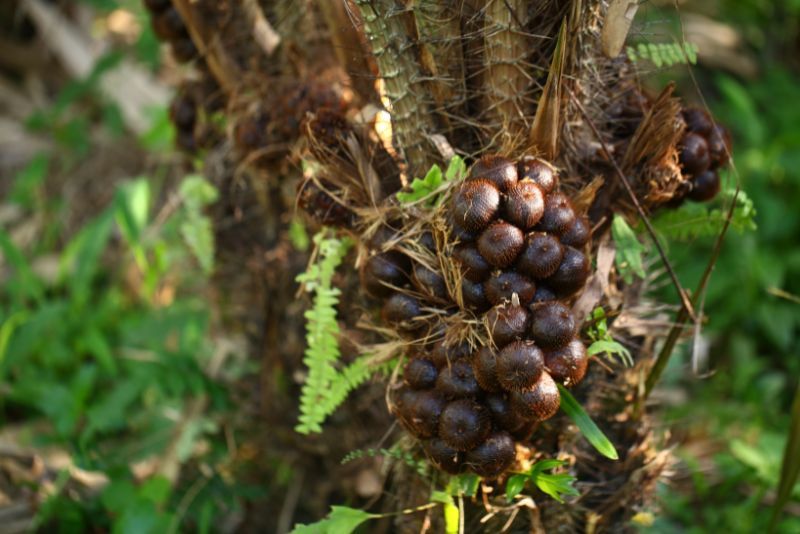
518,247
169,27
704,147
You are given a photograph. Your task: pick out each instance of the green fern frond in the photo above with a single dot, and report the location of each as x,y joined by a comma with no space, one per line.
664,54
693,220
396,452
325,388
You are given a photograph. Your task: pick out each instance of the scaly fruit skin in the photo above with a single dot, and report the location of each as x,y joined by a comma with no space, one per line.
520,250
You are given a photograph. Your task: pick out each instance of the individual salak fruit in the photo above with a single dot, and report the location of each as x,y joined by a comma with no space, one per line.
500,170
553,324
538,172
568,364
457,380
519,365
443,455
507,322
539,402
464,424
571,274
501,243
475,204
492,457
501,288
382,273
524,205
541,255
420,373
420,411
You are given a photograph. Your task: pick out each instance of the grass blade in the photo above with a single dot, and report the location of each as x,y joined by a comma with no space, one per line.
790,468
585,424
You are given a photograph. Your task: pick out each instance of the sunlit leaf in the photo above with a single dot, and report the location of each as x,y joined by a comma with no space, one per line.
629,250
585,424
611,347
515,485
341,520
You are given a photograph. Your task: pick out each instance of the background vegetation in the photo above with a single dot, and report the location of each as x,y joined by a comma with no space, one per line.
112,368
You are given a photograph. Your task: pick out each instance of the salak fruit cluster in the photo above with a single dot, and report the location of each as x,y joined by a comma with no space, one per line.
169,27
703,149
520,247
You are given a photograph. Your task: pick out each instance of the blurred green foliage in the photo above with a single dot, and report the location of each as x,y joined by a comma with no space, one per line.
740,414
107,353
111,366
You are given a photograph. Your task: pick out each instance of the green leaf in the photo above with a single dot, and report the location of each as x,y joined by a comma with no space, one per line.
790,467
133,205
664,54
554,485
611,347
81,258
452,517
160,137
28,180
449,509
456,169
426,188
197,192
465,484
341,520
25,283
156,490
421,188
629,250
515,485
693,220
585,424
7,328
298,235
441,496
199,237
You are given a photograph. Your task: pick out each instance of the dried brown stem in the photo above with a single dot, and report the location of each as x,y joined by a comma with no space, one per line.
546,125
347,44
210,46
672,338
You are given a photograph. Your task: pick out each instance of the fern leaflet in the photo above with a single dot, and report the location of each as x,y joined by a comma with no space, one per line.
396,452
664,54
693,220
325,388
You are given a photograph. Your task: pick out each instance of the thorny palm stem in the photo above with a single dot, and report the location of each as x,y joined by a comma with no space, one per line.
504,56
394,53
441,55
